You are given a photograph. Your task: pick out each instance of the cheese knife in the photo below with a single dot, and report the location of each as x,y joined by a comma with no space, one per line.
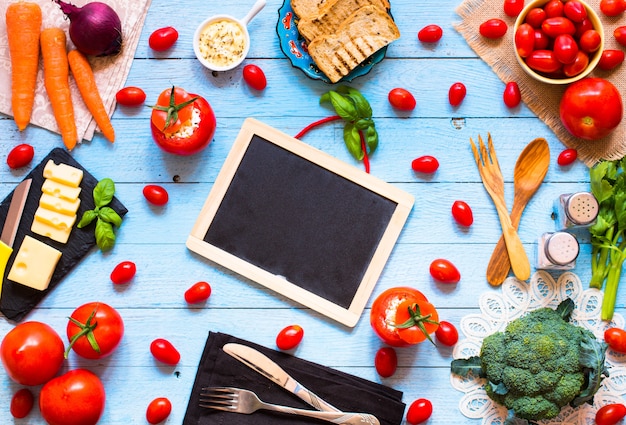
11,224
268,368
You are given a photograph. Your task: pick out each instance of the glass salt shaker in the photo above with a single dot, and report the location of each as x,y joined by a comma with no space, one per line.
576,210
557,251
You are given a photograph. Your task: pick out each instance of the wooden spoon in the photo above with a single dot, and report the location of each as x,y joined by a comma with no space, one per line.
530,169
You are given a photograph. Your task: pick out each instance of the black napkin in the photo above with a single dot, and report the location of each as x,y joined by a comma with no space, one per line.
346,392
18,300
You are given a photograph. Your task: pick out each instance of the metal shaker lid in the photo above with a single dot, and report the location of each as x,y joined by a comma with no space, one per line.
582,208
561,248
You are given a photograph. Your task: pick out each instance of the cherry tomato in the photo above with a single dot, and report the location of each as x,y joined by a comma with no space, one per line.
525,40
386,361
158,410
419,411
611,7
198,292
20,156
620,35
444,271
513,8
542,41
575,11
610,414
155,194
565,48
543,61
583,26
130,96
164,351
430,34
616,338
254,77
558,25
95,330
567,157
401,99
22,403
554,8
32,353
163,38
579,65
511,95
493,28
462,213
610,59
425,164
590,41
447,334
456,94
535,17
123,272
289,337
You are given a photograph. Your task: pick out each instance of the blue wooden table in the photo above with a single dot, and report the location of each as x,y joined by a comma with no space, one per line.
154,237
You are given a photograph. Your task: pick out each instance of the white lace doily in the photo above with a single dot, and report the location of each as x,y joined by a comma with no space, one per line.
516,299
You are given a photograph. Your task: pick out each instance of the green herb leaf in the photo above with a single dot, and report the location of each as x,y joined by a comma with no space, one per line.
363,108
353,141
464,367
87,218
343,106
103,192
109,215
105,237
371,138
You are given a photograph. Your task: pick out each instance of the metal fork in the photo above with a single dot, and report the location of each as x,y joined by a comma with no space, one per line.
491,176
243,401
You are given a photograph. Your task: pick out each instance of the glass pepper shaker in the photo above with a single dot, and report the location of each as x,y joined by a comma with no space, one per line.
576,210
557,251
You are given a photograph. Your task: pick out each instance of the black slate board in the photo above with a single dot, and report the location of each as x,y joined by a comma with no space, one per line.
18,300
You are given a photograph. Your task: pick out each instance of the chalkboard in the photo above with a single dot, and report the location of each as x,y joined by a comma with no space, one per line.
300,222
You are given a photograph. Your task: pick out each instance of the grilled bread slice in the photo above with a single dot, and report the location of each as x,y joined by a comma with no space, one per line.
307,8
366,31
332,16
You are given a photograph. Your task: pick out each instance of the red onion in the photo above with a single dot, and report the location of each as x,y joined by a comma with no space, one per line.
95,28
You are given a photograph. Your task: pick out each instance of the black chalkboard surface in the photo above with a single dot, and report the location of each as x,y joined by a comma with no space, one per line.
300,222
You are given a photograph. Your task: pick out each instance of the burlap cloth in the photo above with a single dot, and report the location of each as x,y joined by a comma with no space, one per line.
110,72
543,99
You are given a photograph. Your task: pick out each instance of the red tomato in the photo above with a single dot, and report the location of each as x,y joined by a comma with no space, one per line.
462,213
590,41
409,315
493,28
525,40
542,41
164,351
611,7
558,25
158,410
386,361
172,112
579,65
77,397
95,330
447,334
419,411
535,17
254,77
575,11
620,35
511,95
610,414
123,272
616,338
583,26
513,8
543,61
130,96
567,157
401,99
456,94
425,164
610,59
591,108
198,292
430,34
20,156
22,403
565,48
289,337
163,38
32,353
155,194
444,271
384,314
554,8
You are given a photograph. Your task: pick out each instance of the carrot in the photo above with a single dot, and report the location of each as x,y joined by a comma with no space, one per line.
86,82
23,21
56,80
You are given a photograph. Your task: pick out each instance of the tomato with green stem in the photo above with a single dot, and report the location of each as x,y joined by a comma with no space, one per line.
95,330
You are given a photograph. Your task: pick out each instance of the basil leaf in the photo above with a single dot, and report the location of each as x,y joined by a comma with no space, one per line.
371,138
353,141
109,215
344,107
105,237
363,108
87,218
103,192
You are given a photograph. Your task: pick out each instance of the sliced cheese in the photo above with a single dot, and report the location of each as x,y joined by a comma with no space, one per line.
63,173
59,205
34,264
55,219
54,233
60,190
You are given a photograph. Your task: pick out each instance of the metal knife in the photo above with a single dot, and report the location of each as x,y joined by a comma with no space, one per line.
11,224
268,368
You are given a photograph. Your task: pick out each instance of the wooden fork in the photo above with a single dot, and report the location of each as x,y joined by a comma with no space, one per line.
491,176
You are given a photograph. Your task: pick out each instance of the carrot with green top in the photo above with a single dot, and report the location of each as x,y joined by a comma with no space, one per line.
56,80
23,21
86,82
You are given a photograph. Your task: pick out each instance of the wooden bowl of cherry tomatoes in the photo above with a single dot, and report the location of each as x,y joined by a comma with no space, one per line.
558,42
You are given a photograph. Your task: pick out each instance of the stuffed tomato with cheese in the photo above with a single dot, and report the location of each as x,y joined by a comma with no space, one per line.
182,123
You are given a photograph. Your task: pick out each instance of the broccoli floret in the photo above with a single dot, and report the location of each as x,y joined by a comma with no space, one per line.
539,364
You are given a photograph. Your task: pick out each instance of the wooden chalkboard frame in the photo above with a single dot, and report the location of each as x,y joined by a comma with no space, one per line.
347,315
